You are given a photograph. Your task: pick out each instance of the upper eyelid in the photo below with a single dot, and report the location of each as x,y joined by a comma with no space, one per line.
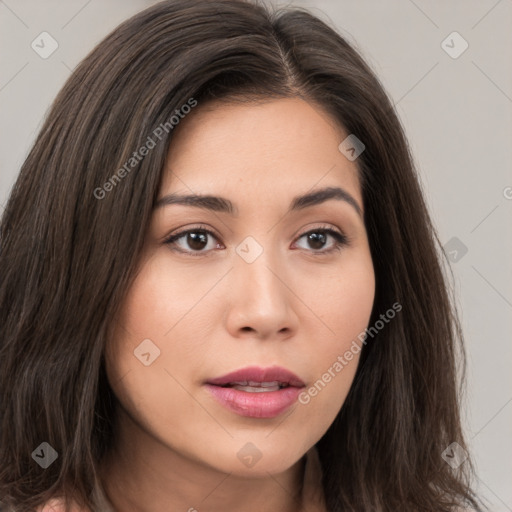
180,234
183,232
208,230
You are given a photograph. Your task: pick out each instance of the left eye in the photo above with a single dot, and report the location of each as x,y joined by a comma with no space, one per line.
195,238
197,241
318,238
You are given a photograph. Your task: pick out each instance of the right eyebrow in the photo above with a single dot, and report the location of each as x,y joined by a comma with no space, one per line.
223,205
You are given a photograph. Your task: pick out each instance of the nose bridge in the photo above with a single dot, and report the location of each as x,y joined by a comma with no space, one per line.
259,298
257,265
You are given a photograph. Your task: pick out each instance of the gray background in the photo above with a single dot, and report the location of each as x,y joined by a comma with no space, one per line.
457,115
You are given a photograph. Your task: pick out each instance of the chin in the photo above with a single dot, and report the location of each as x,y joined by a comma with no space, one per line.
249,461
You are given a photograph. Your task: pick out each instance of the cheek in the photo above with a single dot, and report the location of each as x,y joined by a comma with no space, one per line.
153,321
161,302
151,393
346,303
150,308
349,301
343,300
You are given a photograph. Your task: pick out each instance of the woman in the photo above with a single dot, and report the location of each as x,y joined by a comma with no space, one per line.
220,284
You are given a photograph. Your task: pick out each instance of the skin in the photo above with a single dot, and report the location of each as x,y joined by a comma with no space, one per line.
215,313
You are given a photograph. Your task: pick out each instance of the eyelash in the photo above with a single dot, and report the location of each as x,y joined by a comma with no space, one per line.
340,240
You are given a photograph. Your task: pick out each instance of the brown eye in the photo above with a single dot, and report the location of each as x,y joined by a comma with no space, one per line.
192,241
318,238
197,241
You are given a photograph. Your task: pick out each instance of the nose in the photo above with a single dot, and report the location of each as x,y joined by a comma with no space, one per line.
261,303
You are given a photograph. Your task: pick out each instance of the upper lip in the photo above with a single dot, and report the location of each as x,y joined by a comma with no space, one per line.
258,374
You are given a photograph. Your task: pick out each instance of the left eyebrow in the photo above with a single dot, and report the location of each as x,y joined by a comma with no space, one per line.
223,205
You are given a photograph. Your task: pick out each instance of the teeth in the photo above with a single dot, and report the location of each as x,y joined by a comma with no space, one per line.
255,384
258,389
264,384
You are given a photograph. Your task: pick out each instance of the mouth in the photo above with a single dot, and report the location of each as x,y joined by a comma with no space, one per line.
256,377
256,392
256,387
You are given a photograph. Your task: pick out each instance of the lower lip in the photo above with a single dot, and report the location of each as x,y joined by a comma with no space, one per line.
267,404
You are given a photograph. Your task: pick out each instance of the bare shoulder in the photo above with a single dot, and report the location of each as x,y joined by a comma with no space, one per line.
57,505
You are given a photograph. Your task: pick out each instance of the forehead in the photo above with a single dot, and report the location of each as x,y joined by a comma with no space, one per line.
275,145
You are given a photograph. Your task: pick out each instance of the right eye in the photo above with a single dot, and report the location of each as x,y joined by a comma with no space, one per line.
192,241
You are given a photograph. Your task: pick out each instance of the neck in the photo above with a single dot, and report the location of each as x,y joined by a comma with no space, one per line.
140,474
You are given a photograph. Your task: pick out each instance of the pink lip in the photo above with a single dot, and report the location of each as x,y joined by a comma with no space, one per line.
257,374
266,404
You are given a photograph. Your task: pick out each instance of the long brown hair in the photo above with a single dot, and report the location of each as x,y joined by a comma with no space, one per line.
70,244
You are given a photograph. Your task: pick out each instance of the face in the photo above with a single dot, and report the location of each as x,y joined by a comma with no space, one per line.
269,282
